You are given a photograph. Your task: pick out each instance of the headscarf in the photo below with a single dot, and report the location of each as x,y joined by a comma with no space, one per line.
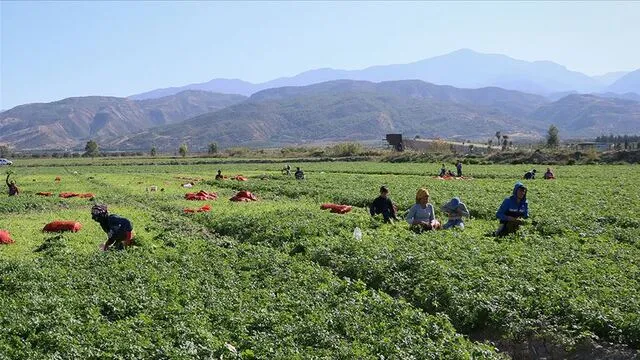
99,211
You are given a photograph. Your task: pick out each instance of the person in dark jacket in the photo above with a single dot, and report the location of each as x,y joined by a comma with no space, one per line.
219,175
13,188
383,205
119,230
530,175
513,210
459,168
299,174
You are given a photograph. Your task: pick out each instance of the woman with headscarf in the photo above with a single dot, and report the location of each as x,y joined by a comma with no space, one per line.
13,188
119,230
421,216
455,210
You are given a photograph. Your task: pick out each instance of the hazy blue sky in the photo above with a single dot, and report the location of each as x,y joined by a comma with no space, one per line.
53,50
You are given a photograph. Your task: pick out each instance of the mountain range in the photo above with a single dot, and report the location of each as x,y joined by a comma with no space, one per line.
462,68
70,122
484,93
359,110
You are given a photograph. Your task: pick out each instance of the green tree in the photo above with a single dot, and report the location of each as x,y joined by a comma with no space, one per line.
213,148
552,137
91,149
505,142
4,151
498,136
183,150
153,151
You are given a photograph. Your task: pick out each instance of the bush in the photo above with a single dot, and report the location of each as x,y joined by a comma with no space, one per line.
345,149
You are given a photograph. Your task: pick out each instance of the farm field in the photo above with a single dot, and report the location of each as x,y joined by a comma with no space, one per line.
282,279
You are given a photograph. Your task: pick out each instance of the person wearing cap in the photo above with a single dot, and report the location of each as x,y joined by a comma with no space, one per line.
383,205
530,175
512,211
455,210
219,176
119,230
421,216
13,188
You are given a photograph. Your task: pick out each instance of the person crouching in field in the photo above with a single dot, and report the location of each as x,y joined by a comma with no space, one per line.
512,211
119,230
549,174
383,205
219,176
530,175
13,188
455,210
421,216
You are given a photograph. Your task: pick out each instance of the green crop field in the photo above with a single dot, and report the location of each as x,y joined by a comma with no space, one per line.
282,279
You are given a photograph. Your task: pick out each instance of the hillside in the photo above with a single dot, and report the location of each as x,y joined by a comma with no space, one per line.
628,83
590,116
462,68
349,110
68,123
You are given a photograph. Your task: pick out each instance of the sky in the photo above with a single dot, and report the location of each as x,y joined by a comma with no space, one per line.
53,50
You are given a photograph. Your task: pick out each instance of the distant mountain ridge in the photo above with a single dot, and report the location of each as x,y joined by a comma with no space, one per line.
339,110
462,68
347,110
584,115
69,122
629,83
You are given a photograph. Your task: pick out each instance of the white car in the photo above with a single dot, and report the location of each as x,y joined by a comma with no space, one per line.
6,162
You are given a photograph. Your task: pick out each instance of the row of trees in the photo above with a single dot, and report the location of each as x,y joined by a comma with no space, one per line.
553,139
92,149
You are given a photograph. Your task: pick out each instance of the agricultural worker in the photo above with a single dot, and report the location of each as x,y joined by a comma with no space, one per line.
219,176
530,175
119,230
455,210
443,171
421,215
13,188
299,174
383,205
513,210
459,168
549,174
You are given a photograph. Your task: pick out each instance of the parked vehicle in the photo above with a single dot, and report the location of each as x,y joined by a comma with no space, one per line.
5,162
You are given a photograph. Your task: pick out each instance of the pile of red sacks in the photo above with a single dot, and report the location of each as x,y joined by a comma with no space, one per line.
336,208
240,178
5,238
205,208
61,225
201,195
244,196
67,195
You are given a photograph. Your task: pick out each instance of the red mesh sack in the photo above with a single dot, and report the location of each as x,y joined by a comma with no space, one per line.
61,225
5,238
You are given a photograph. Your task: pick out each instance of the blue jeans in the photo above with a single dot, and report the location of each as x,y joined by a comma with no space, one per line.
452,223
